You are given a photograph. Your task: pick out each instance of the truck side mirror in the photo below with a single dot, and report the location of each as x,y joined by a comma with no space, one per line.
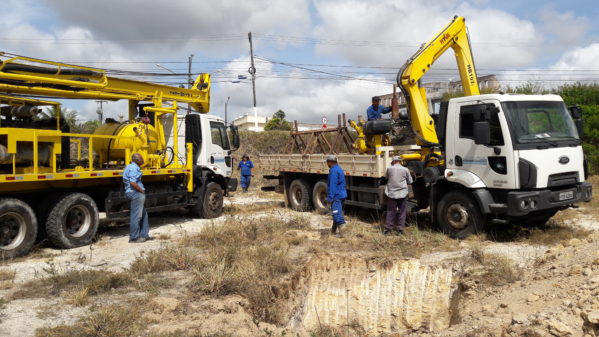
482,133
235,134
576,113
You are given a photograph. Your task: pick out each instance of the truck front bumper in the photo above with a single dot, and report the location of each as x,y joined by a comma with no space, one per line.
522,203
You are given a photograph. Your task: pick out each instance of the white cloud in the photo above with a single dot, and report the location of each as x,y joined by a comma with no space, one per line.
581,59
499,39
304,100
566,28
172,23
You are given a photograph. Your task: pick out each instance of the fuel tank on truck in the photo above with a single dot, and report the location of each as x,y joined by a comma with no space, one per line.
132,136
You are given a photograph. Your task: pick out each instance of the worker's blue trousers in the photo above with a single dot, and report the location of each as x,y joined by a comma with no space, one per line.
337,210
139,226
245,182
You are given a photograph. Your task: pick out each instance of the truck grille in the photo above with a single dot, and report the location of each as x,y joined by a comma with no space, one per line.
562,179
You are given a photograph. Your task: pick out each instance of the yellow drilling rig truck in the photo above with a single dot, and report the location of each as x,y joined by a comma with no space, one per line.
495,157
54,182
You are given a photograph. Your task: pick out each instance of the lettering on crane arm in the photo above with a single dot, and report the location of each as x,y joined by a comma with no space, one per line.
470,74
445,37
179,93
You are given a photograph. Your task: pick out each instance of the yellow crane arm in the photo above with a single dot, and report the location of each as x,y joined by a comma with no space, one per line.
454,35
24,75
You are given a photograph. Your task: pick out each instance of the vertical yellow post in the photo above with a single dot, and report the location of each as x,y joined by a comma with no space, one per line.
54,158
189,166
35,153
175,139
90,154
57,107
127,155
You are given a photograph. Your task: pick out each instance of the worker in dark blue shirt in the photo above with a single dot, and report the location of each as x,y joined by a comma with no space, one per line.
336,193
245,166
375,111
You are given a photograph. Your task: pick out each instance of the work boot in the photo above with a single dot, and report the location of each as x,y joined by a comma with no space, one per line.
334,228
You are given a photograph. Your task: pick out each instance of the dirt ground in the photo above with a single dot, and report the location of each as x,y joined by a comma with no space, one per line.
510,282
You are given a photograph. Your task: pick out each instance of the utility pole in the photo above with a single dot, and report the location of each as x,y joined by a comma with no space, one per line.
252,72
227,102
100,110
189,82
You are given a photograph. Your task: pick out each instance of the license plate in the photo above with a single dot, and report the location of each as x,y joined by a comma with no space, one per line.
566,195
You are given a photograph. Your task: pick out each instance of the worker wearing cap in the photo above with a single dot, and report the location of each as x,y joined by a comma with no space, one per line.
245,166
398,179
375,111
336,193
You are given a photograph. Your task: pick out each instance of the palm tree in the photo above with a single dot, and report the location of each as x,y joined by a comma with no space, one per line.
68,117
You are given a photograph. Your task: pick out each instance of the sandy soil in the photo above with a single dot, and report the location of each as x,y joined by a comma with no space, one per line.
558,294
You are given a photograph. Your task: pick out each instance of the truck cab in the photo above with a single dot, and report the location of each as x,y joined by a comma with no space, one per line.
520,155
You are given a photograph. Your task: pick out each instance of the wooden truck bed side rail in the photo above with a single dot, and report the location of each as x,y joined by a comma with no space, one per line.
353,164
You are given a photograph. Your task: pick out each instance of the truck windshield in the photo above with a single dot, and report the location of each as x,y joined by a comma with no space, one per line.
537,121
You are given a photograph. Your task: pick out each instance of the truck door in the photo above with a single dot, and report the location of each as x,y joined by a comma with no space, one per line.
219,148
475,165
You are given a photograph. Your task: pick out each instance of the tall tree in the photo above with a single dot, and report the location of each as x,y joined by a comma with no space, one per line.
278,122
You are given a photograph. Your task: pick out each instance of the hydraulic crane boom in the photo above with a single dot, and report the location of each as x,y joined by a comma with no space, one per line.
454,35
35,77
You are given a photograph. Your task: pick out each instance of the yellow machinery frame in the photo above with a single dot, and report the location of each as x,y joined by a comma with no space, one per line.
89,83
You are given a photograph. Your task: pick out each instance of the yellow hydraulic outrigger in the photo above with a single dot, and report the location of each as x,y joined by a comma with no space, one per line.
454,35
35,77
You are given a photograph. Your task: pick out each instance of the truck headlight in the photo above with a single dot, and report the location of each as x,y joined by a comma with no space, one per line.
524,204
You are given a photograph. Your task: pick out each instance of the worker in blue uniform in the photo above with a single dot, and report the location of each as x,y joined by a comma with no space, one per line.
375,111
336,193
245,166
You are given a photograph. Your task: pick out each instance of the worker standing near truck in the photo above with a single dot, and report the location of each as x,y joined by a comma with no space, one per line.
245,166
375,111
396,190
139,228
336,193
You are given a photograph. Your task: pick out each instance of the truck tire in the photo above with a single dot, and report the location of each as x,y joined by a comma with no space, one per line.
72,221
299,195
319,197
18,228
212,202
459,216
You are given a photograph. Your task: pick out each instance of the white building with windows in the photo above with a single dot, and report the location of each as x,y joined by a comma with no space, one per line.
248,123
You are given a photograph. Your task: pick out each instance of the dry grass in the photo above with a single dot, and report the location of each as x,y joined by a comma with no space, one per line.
244,209
7,278
553,232
249,258
593,206
107,321
86,282
497,270
369,241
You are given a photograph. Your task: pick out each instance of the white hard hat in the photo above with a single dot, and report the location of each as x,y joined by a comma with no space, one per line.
332,157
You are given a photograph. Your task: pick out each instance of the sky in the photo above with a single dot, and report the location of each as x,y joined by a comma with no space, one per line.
314,58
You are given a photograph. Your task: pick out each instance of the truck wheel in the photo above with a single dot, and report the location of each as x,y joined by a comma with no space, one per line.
212,203
18,228
319,197
299,195
72,221
459,215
